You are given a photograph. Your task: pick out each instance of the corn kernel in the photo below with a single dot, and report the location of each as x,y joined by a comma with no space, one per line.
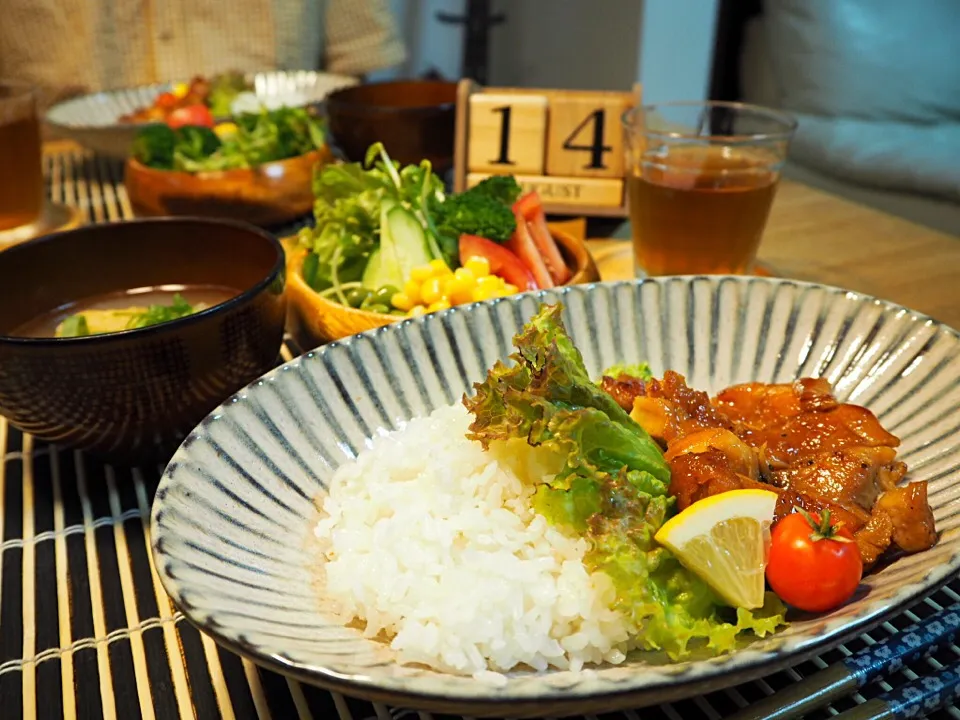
479,266
511,289
431,290
402,301
483,292
488,282
180,90
439,267
465,274
411,288
417,311
419,274
441,304
459,291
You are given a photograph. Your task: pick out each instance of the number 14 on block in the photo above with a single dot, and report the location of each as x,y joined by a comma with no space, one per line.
561,134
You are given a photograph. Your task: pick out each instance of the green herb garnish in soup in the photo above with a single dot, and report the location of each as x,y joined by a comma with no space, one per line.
156,314
97,322
120,311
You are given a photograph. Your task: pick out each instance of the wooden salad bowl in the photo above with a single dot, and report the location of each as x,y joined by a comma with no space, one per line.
269,194
314,320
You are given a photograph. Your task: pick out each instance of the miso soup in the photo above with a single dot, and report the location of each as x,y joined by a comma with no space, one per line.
126,310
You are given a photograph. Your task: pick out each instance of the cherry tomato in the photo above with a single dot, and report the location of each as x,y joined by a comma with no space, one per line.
191,115
166,101
502,262
814,564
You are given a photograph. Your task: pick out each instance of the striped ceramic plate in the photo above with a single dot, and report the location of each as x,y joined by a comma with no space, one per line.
234,513
93,120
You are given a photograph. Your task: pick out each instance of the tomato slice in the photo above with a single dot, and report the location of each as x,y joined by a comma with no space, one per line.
528,205
502,262
548,247
529,209
198,115
522,244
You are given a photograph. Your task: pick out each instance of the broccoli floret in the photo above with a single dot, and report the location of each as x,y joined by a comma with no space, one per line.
502,188
153,146
473,213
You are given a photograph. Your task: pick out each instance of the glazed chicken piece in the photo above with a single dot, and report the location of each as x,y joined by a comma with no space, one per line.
874,538
901,517
910,516
624,389
791,421
758,405
666,408
707,462
810,433
712,461
740,457
852,477
695,476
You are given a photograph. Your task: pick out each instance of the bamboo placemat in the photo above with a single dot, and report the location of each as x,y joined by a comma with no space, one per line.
86,631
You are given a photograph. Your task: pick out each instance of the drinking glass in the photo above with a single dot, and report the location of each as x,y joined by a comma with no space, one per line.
701,177
21,167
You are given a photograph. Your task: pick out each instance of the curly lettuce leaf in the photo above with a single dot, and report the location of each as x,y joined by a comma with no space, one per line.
608,481
549,377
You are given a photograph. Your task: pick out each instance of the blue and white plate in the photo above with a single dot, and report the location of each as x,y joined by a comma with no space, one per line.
94,120
235,512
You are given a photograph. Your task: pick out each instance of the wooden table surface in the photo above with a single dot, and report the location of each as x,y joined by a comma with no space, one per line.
819,237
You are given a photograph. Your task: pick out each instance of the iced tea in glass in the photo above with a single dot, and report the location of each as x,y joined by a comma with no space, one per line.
21,167
701,177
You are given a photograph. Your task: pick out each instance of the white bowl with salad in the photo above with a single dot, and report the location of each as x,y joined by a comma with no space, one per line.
389,242
107,122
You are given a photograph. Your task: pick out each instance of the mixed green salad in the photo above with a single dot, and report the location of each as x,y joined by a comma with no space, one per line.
611,487
249,140
390,239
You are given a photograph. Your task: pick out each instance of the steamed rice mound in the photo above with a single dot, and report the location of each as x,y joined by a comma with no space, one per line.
432,542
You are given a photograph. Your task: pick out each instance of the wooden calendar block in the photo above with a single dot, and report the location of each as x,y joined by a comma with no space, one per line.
507,133
567,191
565,144
585,137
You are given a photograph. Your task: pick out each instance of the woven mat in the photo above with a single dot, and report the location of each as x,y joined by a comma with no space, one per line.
86,630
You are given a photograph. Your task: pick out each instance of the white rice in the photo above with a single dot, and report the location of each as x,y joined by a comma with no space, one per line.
432,542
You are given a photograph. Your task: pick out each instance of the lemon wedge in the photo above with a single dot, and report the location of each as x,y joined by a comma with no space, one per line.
725,539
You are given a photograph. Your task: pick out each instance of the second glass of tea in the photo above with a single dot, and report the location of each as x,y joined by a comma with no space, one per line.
21,168
701,177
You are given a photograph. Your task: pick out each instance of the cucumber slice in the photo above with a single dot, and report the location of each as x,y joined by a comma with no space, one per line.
376,275
409,242
403,246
